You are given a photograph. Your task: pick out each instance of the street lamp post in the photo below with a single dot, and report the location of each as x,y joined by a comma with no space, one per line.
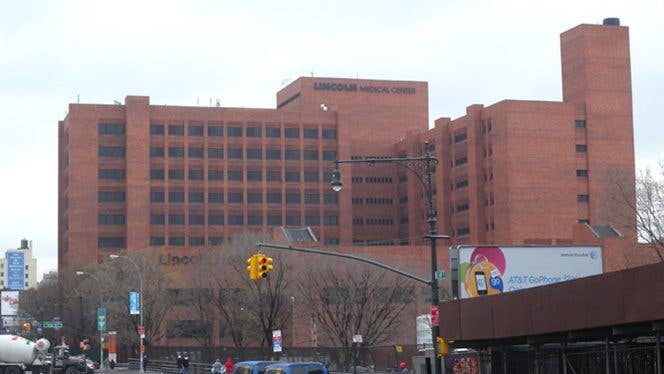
426,178
101,305
140,306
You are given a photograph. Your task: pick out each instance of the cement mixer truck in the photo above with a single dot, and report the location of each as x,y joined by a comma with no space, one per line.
22,356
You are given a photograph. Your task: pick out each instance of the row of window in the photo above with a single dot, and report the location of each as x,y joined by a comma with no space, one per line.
372,201
238,175
217,219
231,153
373,221
238,196
239,131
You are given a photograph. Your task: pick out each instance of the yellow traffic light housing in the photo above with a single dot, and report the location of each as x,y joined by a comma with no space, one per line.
26,326
442,348
264,265
253,267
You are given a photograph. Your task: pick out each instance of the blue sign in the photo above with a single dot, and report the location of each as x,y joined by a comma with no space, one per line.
15,271
134,303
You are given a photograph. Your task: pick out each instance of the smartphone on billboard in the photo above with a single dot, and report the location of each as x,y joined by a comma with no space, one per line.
480,283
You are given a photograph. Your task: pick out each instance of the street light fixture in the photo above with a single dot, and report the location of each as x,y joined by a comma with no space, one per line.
101,333
140,306
426,178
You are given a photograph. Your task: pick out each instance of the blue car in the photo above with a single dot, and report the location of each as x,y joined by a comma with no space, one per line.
251,367
296,368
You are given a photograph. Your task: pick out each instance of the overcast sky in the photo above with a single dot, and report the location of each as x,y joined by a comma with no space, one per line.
181,53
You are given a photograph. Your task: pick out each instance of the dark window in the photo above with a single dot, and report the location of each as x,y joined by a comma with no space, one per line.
215,153
215,240
195,152
254,175
310,133
253,132
272,132
156,129
329,155
292,198
463,231
157,219
274,220
175,196
215,131
254,220
235,175
254,154
195,130
196,241
156,174
581,148
462,207
331,241
176,130
273,176
581,173
176,174
311,176
461,184
311,198
580,124
111,242
157,240
586,221
327,176
111,174
235,219
329,134
176,152
196,197
111,196
254,197
176,219
235,153
235,197
111,219
111,129
292,176
215,197
292,154
309,154
156,196
215,175
273,197
196,174
216,219
461,161
273,154
176,241
312,220
196,219
156,152
116,152
330,198
292,132
582,198
331,220
234,131
293,220
460,137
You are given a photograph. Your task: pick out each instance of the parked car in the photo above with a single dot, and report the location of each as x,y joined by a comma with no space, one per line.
251,367
296,368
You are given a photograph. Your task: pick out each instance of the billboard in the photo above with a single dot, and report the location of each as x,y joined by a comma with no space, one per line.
8,303
494,270
15,271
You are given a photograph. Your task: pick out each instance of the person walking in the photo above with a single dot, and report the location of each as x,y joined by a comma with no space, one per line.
179,362
404,368
185,365
217,367
145,362
229,365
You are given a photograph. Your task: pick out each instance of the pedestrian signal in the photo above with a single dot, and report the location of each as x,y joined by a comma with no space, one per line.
252,268
442,348
264,265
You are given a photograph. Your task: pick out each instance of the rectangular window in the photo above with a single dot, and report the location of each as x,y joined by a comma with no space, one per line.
461,184
111,174
254,220
581,148
310,133
235,219
216,219
196,197
330,198
217,153
111,219
273,176
584,221
292,132
157,219
156,152
234,131
254,154
329,155
580,124
176,241
311,176
292,154
463,231
309,154
273,154
111,242
156,174
274,220
461,161
235,175
157,240
272,132
176,130
196,219
196,174
581,173
582,198
254,197
311,198
331,220
329,134
176,196
462,207
195,130
215,131
293,220
215,240
176,152
114,152
156,129
458,138
196,241
293,198
234,153
292,176
331,241
176,219
273,197
313,220
195,152
215,197
235,197
254,175
176,174
111,129
111,196
156,196
215,175
254,132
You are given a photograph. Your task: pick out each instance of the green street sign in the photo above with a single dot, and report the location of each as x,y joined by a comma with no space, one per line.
52,325
101,319
440,274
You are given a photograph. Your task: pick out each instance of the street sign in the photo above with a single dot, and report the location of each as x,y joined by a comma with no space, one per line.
440,274
357,338
277,344
134,307
101,319
52,325
434,315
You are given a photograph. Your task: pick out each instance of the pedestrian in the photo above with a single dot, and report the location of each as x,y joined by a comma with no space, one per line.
185,365
179,362
111,364
145,362
403,367
217,367
229,365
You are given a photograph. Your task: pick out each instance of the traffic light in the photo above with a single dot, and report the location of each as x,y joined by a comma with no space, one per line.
442,348
253,267
264,265
26,326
